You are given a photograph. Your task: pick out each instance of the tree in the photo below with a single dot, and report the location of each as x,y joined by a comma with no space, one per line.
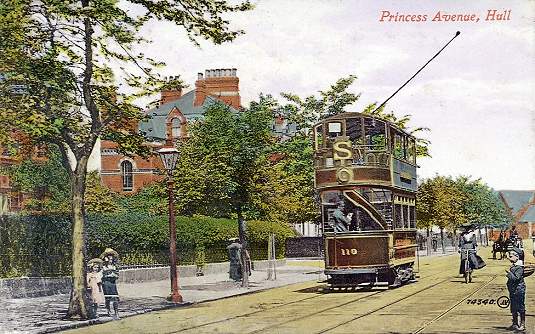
440,203
450,203
307,112
98,198
482,205
220,159
285,183
58,87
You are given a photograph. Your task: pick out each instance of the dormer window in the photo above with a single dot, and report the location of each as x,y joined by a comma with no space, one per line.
175,127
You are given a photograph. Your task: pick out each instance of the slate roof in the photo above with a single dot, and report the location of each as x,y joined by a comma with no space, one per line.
516,199
529,216
154,128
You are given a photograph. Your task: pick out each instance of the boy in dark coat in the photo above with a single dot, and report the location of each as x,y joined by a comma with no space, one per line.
517,288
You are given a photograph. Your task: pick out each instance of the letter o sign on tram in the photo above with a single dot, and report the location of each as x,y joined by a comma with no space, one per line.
343,175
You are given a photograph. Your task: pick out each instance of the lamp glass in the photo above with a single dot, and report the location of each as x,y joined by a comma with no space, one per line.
169,156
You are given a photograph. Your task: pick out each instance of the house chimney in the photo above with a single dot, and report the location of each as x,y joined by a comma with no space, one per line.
221,83
172,91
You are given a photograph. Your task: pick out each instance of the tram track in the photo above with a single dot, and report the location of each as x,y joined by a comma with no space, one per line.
419,330
383,306
278,306
440,316
335,307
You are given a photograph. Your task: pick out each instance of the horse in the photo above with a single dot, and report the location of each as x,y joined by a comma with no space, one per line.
501,246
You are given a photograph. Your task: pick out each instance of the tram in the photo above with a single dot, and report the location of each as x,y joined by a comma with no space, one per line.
365,175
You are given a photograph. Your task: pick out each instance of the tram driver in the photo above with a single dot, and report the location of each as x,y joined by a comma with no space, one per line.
341,220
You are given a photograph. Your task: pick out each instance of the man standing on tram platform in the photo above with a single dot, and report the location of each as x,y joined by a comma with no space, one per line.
341,221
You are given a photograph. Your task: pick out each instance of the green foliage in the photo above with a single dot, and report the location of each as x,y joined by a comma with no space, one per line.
60,88
285,183
46,181
35,245
447,202
98,198
214,175
40,245
152,199
306,112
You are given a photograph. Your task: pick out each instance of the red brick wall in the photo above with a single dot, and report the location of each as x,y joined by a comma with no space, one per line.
110,172
170,95
225,88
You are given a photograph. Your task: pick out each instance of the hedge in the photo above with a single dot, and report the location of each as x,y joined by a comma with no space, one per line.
41,245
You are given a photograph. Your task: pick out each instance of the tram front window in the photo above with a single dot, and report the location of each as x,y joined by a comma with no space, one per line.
361,221
375,134
341,215
334,130
319,136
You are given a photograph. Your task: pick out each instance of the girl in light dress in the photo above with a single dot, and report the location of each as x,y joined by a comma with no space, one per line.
94,284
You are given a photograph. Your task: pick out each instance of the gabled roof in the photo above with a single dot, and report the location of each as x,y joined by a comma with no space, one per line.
529,216
155,128
516,199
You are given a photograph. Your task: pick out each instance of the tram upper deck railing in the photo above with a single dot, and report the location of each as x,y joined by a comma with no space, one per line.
353,148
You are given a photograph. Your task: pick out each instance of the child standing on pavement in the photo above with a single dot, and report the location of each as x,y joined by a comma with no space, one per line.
517,289
94,283
110,275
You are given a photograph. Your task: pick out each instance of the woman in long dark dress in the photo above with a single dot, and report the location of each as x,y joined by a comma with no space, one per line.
468,249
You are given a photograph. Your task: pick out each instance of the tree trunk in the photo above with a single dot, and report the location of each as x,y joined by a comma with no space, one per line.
428,242
79,302
242,229
442,240
455,240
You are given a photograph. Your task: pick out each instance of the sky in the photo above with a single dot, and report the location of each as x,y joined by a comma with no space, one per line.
477,96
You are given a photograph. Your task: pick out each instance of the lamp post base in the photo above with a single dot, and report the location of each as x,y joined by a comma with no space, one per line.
175,298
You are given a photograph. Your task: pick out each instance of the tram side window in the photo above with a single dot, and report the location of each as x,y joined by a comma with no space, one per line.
319,136
354,131
412,213
406,217
334,129
411,151
375,134
398,217
398,146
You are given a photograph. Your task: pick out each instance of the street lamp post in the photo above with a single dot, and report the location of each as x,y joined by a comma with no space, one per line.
169,156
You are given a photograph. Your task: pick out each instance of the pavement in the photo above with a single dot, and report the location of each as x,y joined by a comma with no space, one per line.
44,314
440,302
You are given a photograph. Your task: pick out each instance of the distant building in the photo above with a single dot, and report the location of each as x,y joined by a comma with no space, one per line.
11,199
167,123
521,206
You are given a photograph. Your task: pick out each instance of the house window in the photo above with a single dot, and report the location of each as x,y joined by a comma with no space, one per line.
126,173
175,127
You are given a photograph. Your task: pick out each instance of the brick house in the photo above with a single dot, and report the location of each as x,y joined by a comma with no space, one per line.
166,123
9,200
521,206
12,200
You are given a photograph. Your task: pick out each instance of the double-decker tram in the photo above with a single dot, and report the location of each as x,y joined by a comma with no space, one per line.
365,174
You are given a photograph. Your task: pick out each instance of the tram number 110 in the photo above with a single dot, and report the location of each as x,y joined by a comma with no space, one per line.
349,251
